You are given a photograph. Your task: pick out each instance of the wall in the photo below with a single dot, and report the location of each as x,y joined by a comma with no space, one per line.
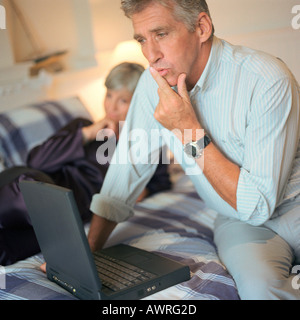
54,25
261,24
6,54
109,24
233,17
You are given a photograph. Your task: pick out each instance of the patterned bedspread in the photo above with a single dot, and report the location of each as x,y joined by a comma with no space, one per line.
175,224
23,128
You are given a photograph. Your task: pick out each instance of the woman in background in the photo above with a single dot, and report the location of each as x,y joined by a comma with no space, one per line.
68,159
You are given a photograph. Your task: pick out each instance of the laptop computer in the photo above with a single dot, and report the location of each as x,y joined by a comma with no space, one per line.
118,272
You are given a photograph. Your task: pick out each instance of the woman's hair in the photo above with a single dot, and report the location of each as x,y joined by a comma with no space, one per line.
186,11
124,75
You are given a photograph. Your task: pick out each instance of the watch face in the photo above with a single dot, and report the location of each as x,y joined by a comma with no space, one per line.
193,150
190,150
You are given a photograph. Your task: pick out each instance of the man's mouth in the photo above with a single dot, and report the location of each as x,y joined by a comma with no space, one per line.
162,72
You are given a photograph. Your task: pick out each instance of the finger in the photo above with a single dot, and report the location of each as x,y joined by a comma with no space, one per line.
110,124
181,86
43,267
162,83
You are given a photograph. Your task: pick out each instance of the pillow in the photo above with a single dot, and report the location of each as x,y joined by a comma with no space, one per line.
23,128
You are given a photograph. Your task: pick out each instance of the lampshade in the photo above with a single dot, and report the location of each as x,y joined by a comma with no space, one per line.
128,51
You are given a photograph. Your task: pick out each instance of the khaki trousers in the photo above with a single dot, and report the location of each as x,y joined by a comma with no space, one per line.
263,260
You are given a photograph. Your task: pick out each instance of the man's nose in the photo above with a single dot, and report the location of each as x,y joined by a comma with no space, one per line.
152,52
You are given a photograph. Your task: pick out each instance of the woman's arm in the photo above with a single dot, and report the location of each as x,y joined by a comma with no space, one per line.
63,147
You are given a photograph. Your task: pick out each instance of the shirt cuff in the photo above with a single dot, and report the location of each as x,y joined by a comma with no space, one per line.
110,209
248,200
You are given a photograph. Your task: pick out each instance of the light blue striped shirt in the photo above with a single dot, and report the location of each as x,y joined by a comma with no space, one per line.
248,102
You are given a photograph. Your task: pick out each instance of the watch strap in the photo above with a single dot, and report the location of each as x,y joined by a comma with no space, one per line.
204,141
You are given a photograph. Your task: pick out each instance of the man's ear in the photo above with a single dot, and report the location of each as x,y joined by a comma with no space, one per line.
204,26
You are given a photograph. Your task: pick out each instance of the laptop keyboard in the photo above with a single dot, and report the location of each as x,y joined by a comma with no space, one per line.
118,275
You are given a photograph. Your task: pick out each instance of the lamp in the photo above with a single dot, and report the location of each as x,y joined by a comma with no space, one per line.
128,51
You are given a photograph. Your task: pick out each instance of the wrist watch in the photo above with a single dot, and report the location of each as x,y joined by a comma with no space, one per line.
194,149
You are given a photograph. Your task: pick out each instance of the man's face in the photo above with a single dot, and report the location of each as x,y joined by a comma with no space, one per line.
167,44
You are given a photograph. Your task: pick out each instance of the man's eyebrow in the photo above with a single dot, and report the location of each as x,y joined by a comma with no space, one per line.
137,36
155,30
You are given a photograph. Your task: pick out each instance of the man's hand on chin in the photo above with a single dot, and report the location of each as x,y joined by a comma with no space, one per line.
175,111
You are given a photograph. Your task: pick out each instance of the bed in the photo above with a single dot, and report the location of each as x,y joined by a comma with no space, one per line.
174,223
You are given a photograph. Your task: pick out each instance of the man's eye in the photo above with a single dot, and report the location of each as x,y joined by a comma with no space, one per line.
161,34
141,41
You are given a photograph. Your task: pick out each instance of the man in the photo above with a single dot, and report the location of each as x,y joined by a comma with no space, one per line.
242,108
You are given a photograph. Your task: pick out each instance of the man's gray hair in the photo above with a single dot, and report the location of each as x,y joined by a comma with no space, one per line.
186,11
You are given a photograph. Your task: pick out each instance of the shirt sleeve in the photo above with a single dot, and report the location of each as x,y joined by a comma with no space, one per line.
135,158
271,142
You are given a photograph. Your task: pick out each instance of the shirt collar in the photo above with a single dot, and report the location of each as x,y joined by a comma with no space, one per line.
211,67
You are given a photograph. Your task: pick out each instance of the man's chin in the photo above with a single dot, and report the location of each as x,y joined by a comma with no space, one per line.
171,81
